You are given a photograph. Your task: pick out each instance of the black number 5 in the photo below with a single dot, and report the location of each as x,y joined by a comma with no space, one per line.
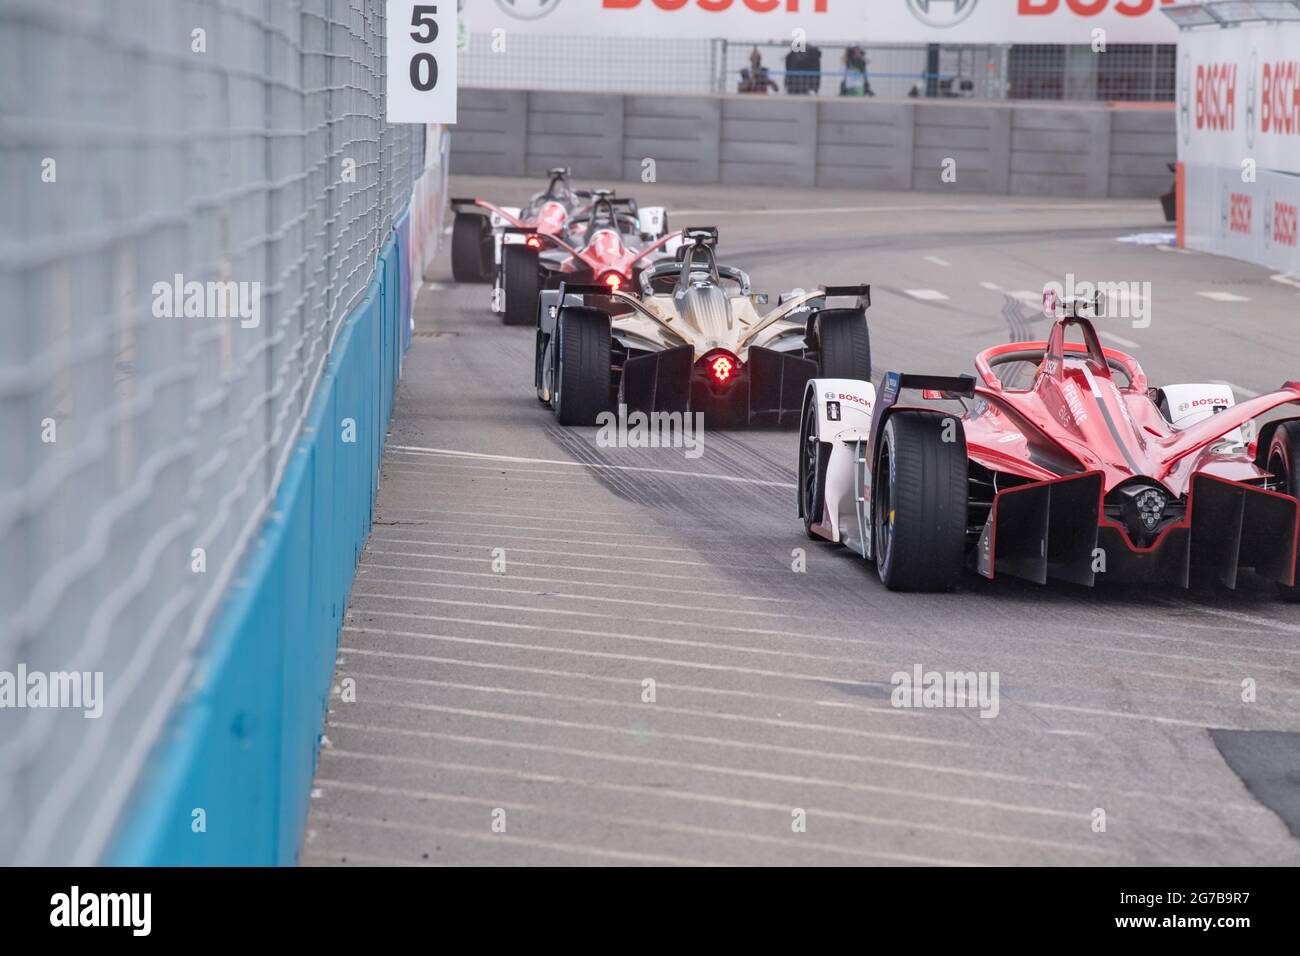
422,16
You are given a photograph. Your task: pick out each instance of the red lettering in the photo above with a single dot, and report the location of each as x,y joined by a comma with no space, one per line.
1286,219
1239,213
1087,8
1037,8
1134,9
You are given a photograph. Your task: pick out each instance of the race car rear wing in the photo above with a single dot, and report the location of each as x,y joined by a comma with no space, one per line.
860,292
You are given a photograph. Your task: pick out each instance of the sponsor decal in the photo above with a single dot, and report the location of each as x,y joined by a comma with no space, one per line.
1284,224
1075,401
529,9
1216,96
1279,112
1239,213
846,397
720,6
942,13
833,411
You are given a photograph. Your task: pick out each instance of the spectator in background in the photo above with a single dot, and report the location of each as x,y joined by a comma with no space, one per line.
855,81
756,79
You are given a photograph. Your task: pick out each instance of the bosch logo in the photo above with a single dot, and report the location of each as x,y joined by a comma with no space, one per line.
718,6
845,397
1196,403
941,13
1252,97
1216,96
1280,105
529,9
1284,224
1239,213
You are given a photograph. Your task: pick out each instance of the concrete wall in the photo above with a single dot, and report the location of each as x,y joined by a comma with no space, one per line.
999,148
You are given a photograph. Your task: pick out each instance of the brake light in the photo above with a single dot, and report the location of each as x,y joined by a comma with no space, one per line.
721,367
613,281
533,242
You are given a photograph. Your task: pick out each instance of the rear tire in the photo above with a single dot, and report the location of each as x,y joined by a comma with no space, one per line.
920,497
843,344
522,285
1284,462
471,249
582,376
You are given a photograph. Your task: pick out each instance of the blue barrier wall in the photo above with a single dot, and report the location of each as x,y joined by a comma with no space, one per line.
242,743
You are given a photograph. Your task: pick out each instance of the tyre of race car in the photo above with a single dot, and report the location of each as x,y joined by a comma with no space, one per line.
471,245
1284,462
812,473
582,376
522,283
843,344
920,497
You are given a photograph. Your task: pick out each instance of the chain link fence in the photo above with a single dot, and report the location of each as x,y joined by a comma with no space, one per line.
195,192
1133,72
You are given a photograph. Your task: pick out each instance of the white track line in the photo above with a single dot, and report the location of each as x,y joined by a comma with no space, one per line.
507,838
938,261
800,779
693,829
1119,340
1223,296
579,464
634,703
927,295
1237,389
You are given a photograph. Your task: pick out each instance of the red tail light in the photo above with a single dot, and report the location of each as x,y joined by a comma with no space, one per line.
721,367
612,280
533,242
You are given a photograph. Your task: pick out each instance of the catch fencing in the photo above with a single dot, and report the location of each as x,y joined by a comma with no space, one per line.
196,192
1128,72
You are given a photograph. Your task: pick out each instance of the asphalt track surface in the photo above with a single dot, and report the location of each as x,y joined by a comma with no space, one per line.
485,698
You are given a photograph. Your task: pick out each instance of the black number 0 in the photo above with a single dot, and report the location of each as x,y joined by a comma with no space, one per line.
424,68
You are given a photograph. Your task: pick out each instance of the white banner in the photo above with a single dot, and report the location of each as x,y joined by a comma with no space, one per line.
857,21
1258,222
1239,97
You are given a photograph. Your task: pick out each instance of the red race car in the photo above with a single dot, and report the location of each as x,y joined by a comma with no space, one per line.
1064,464
607,243
477,229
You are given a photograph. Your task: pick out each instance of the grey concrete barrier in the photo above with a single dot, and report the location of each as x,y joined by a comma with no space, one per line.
1020,149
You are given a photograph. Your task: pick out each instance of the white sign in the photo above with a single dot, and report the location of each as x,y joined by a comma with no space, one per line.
1258,221
421,81
1239,98
857,21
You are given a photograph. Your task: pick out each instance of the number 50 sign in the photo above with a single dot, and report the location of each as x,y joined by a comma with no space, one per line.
421,82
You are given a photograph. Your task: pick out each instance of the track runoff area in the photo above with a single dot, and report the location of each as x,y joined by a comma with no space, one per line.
563,653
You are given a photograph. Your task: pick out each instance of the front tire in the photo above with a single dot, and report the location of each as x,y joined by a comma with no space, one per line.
843,344
582,376
1284,462
471,249
920,493
812,475
522,285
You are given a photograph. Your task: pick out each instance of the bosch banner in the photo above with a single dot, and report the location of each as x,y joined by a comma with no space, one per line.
1252,220
1239,98
869,21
